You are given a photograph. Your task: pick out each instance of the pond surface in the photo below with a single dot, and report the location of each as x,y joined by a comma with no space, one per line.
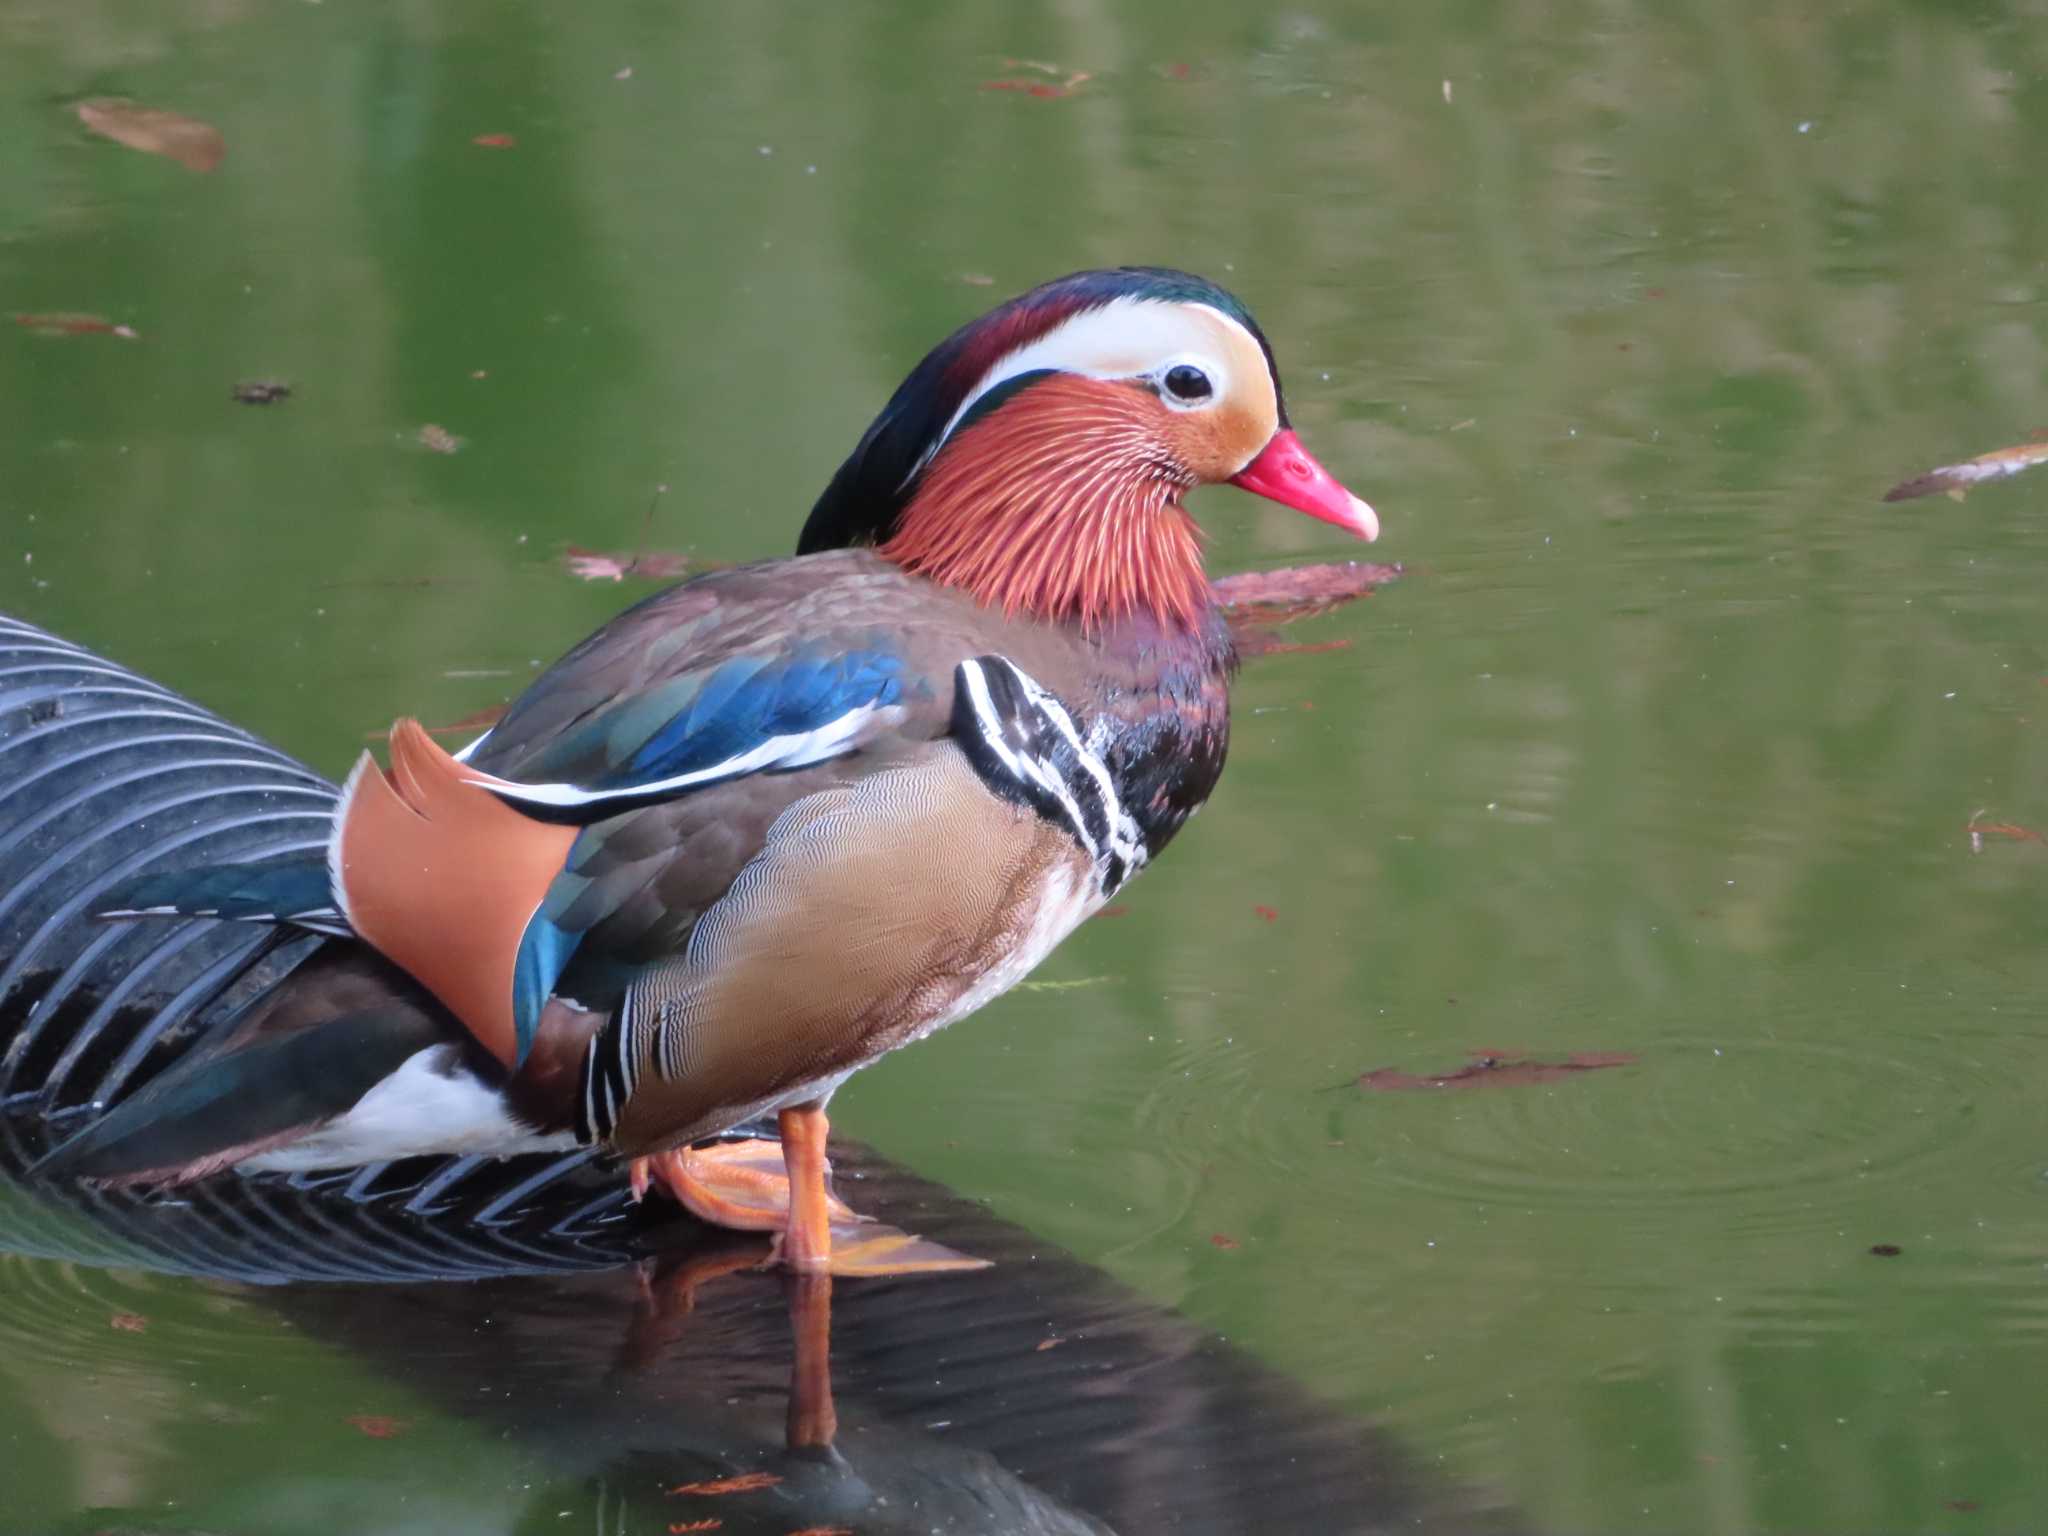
1667,746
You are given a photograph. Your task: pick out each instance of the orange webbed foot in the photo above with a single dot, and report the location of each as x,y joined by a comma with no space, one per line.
746,1186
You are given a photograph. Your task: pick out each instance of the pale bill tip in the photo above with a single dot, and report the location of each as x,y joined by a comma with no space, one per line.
1364,519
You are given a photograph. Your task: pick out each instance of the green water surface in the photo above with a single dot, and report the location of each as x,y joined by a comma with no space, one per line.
1624,316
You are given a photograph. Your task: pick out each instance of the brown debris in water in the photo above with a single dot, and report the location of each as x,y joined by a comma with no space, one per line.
1956,479
651,565
1492,1069
129,1322
74,325
1980,829
742,1482
1044,89
195,145
1255,603
1299,591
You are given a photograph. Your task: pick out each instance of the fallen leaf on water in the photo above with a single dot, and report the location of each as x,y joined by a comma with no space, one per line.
1299,591
1979,830
195,145
742,1482
1956,478
1071,985
129,1322
1224,1241
261,392
496,141
1266,912
378,1426
1255,640
482,720
1490,1070
439,439
1044,1344
1042,88
655,565
73,325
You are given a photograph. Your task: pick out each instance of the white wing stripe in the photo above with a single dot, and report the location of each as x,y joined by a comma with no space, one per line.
791,751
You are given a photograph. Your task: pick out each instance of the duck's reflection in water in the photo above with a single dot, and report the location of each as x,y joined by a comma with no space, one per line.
631,1352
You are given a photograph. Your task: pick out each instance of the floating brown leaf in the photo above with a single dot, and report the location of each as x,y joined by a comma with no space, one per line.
1298,591
195,145
378,1426
73,325
1979,830
1255,640
742,1482
129,1322
1044,1344
1957,478
655,565
482,720
1041,88
1491,1070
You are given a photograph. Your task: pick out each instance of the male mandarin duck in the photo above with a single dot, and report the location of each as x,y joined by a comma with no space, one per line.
779,820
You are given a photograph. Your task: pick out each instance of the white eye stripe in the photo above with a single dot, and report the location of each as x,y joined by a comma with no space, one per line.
1123,339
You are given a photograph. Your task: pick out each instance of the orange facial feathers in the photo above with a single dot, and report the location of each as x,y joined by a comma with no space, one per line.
1063,504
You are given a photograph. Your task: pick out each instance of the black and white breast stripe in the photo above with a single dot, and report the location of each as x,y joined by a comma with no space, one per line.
608,1077
1024,744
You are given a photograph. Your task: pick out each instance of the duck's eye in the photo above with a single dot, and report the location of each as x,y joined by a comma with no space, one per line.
1186,383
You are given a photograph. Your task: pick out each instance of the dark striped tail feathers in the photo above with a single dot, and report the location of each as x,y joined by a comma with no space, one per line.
213,1109
293,891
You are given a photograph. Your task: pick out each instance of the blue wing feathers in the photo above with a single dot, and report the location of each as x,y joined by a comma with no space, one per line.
746,702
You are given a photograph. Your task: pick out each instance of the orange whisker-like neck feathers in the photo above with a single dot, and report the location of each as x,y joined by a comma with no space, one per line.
1062,503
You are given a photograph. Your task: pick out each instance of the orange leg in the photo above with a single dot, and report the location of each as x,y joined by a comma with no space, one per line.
806,1244
813,1420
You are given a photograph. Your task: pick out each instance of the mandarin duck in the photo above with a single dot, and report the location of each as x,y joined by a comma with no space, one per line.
779,820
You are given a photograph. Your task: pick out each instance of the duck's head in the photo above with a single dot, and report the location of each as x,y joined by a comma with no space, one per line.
1038,456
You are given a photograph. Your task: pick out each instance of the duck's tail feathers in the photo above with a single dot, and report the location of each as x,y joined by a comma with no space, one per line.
294,891
213,1110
